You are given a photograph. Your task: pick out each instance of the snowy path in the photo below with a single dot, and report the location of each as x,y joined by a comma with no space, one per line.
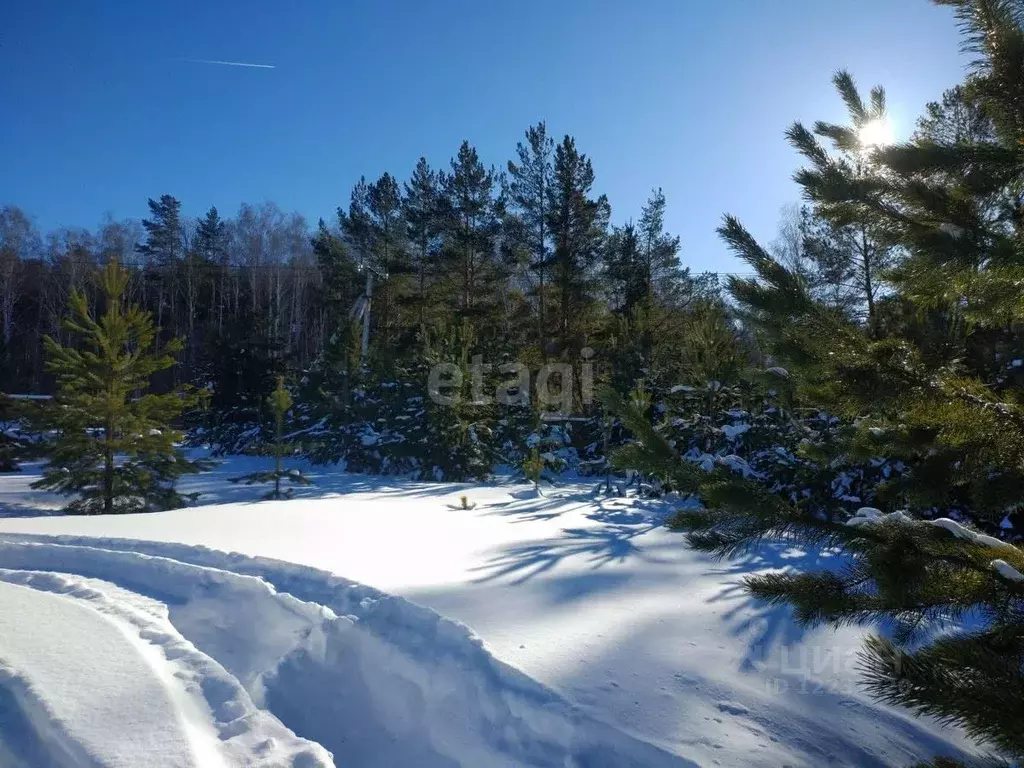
105,675
88,680
593,599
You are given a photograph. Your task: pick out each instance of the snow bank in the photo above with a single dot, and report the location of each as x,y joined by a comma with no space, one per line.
1007,571
375,679
219,720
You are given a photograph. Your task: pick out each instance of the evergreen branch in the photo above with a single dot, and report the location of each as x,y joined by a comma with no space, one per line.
968,680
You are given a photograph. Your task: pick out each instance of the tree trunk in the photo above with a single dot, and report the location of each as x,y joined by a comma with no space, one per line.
108,456
277,455
867,266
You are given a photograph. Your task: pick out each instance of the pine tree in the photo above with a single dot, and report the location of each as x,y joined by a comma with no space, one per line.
851,221
116,442
451,431
530,190
211,246
959,118
392,254
916,390
623,274
578,226
340,285
815,251
376,230
659,252
246,360
422,209
280,402
164,232
472,224
164,248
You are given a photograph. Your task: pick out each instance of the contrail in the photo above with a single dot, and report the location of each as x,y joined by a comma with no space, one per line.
231,63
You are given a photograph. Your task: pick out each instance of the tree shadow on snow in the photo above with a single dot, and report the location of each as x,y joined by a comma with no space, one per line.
596,546
766,627
8,509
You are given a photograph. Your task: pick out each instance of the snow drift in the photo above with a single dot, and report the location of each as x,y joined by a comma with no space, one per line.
281,662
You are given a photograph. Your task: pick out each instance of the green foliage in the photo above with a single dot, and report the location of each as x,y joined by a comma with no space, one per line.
10,444
18,440
454,435
279,402
115,446
533,467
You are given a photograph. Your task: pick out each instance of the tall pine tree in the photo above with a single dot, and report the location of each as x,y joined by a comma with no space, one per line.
578,225
422,208
163,249
472,210
530,189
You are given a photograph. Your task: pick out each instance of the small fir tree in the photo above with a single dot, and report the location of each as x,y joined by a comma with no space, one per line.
280,401
533,468
115,446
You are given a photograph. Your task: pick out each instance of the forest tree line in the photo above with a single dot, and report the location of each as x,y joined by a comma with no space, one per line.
526,254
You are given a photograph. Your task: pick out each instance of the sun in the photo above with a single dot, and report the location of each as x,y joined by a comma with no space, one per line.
875,133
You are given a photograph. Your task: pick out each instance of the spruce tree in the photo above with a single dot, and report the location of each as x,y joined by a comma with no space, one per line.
115,446
914,386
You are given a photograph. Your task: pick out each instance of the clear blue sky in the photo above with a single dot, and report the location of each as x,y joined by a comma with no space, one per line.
98,110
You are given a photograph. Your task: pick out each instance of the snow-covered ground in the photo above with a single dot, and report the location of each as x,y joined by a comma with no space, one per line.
595,636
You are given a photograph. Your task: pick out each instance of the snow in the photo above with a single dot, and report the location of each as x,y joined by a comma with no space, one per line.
384,622
951,229
871,516
732,431
1007,571
128,690
72,695
963,532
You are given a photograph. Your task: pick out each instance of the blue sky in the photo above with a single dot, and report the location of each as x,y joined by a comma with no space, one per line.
99,110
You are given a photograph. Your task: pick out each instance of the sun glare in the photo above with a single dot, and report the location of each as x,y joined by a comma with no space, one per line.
875,133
